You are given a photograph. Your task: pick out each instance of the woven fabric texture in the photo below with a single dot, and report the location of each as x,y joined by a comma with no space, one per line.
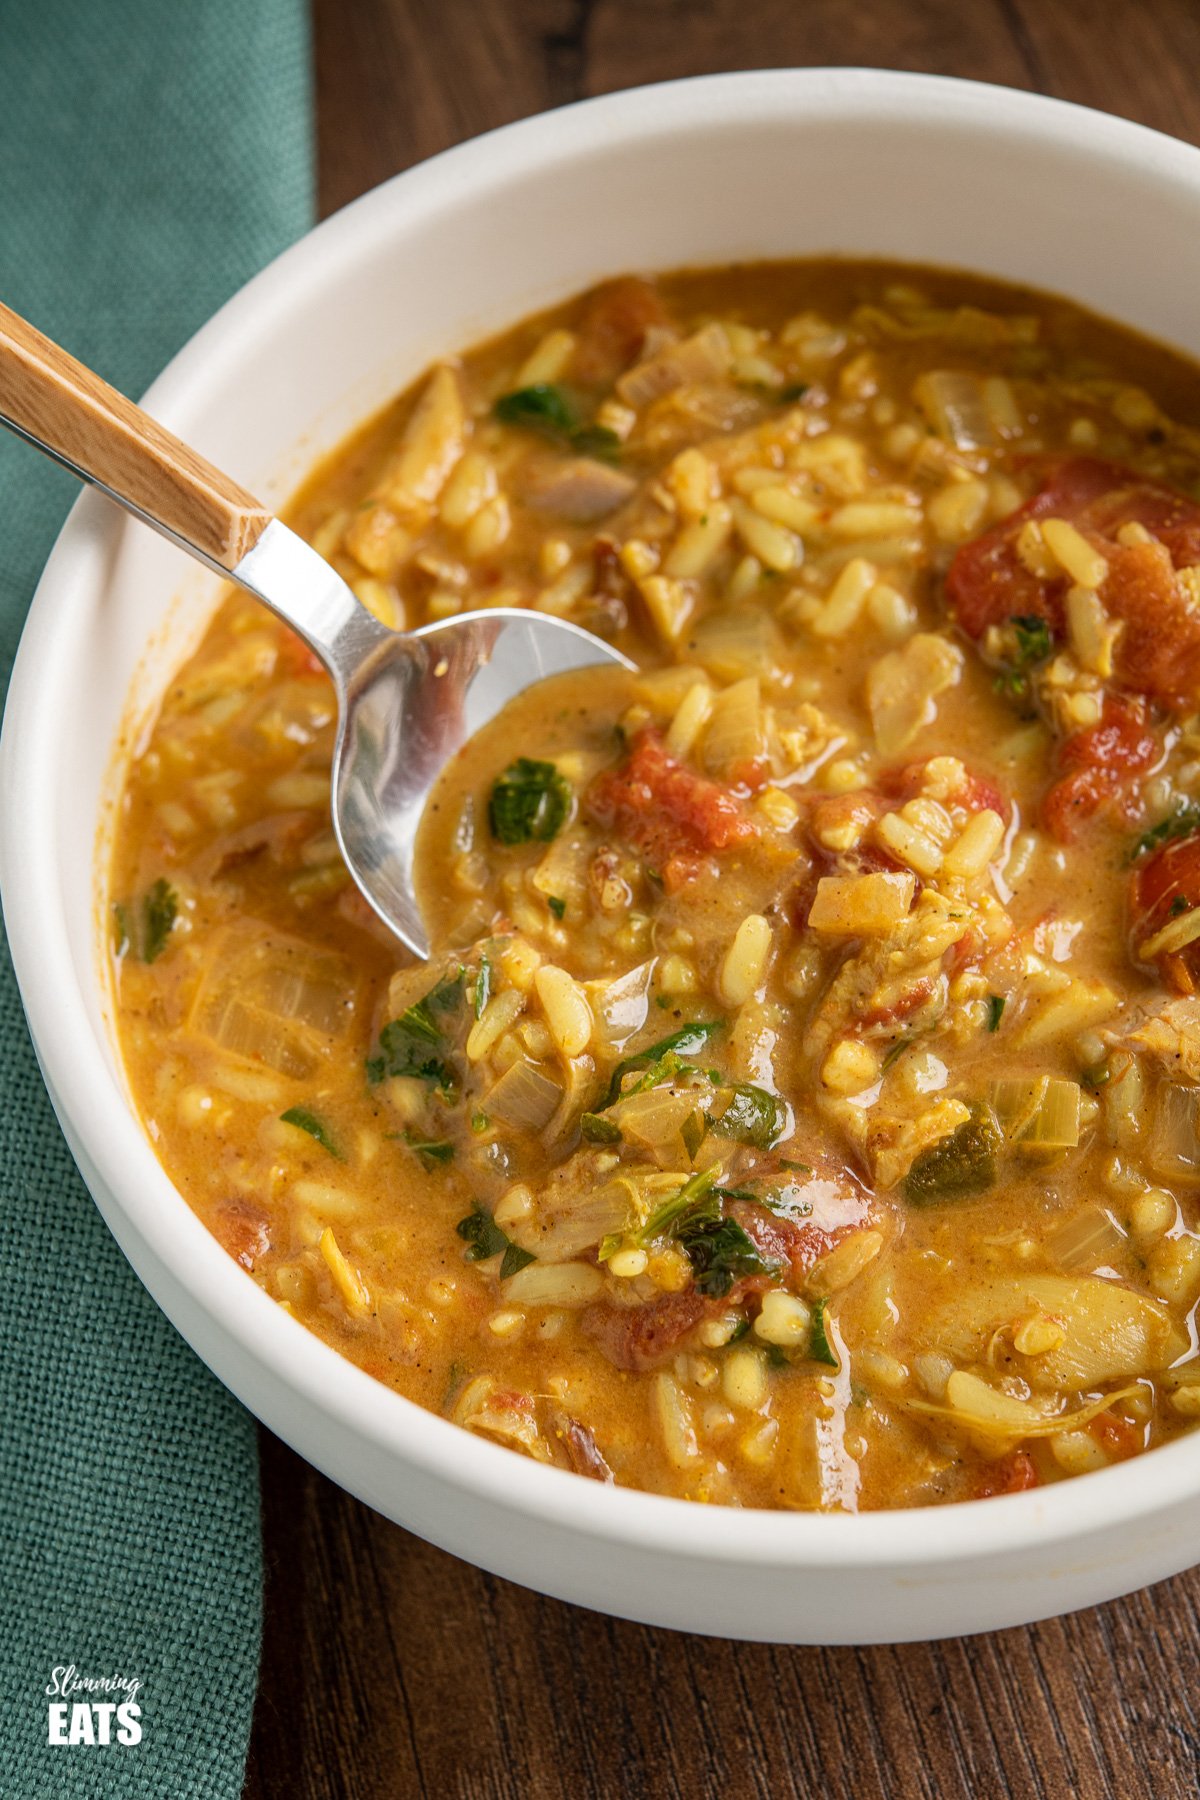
153,155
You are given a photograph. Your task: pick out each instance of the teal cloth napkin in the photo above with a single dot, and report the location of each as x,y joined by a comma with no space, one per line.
153,155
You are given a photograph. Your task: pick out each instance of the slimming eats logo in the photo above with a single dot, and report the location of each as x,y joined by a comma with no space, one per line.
109,1715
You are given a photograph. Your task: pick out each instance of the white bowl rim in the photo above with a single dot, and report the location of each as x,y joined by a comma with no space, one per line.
153,1210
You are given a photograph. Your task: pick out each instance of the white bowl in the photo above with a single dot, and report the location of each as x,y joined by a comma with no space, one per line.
707,171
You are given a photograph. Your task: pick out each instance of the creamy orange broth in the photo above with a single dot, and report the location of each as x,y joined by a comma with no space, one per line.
799,1107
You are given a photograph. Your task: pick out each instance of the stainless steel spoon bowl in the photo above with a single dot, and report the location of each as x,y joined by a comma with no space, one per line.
407,701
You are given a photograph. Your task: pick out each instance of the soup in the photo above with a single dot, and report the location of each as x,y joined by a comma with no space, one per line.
799,1108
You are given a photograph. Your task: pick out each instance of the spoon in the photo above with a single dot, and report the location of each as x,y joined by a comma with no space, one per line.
407,701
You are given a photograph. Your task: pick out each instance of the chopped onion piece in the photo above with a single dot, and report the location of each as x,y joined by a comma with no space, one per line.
524,1097
273,999
903,686
705,356
570,1218
1087,1240
735,643
953,403
734,736
988,1413
619,1006
1175,1138
1042,1113
1111,1332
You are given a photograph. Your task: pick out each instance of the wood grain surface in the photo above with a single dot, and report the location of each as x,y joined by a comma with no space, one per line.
68,408
391,1669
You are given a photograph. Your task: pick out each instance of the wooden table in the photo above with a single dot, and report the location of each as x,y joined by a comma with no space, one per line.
389,1668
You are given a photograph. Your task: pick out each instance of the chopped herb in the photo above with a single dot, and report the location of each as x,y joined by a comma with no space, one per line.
963,1164
820,1343
543,407
480,1121
597,1130
739,1331
718,1248
483,986
549,409
410,1044
1176,825
609,1244
597,441
529,803
430,1151
1096,1076
143,928
996,1004
794,391
557,907
894,1054
663,1001
455,1377
786,1162
753,1116
695,1201
401,1052
1180,904
482,1233
158,912
692,1132
689,1040
1034,643
720,1251
485,1238
515,1259
303,1120
777,1357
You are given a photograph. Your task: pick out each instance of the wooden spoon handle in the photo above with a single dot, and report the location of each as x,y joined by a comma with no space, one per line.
64,408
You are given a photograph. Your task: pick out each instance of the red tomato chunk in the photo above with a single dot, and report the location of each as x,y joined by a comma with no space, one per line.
1164,886
672,816
1101,764
1158,653
639,1337
1011,1474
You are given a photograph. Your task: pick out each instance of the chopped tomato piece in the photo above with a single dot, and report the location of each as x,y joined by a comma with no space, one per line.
612,331
976,793
1165,885
1101,767
511,1400
859,811
918,994
672,816
1117,1437
792,1242
1010,1474
243,1231
639,1337
1158,653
